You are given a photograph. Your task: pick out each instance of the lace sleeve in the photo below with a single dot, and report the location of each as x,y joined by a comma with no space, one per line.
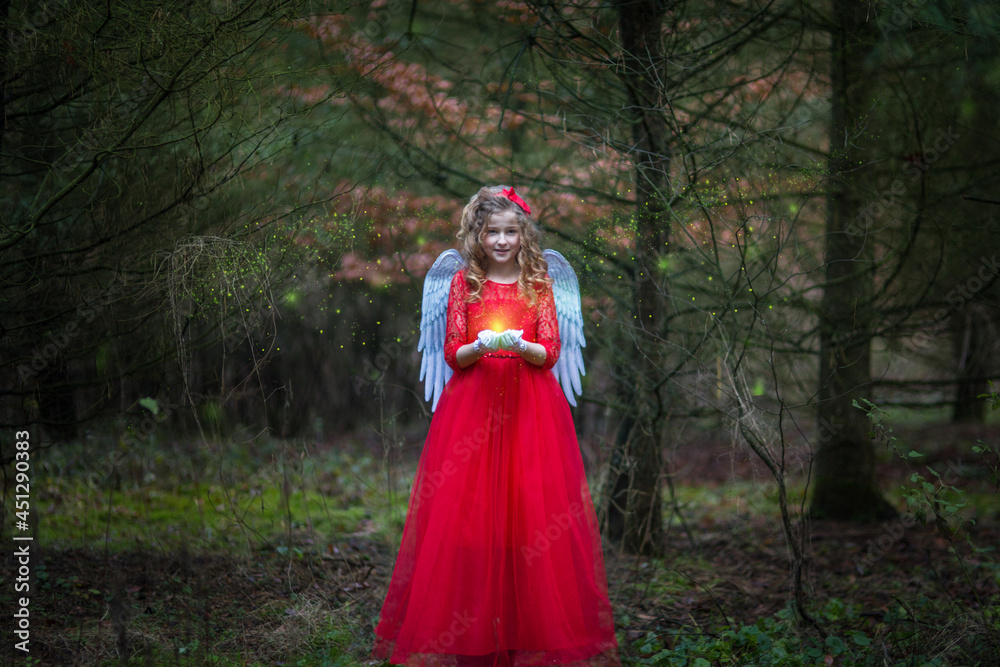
457,332
548,327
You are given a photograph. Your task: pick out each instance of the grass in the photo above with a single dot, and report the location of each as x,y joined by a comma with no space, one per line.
265,553
229,501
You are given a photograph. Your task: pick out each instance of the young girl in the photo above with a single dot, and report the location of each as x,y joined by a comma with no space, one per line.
500,562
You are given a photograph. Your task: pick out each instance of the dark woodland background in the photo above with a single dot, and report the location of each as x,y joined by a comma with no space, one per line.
216,218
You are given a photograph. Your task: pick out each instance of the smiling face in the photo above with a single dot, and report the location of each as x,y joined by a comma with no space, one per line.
502,240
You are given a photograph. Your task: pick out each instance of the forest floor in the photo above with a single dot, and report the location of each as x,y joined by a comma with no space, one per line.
308,592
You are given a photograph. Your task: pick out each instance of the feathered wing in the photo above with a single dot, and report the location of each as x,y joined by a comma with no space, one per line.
434,372
566,290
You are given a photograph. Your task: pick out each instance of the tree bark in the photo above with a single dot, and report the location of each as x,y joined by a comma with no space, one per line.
634,509
4,51
846,484
971,352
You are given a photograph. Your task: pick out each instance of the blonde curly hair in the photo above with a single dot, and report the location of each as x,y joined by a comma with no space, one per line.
481,207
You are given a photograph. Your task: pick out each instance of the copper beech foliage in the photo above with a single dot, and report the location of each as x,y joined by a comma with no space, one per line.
406,220
448,127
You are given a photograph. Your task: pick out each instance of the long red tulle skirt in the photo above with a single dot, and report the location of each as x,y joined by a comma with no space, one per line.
501,561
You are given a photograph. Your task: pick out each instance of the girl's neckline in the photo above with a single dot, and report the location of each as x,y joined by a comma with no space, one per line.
499,283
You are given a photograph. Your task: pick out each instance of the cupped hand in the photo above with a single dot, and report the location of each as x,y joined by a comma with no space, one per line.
489,340
510,339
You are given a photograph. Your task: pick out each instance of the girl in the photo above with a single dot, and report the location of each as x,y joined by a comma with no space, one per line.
500,562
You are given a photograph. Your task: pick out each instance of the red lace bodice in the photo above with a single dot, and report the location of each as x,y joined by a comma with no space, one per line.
499,308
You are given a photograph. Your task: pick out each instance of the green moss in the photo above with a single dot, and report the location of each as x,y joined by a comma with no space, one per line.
142,495
202,515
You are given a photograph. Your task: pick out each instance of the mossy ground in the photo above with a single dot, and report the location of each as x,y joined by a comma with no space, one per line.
269,553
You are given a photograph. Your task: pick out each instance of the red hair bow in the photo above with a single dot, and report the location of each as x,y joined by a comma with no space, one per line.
511,195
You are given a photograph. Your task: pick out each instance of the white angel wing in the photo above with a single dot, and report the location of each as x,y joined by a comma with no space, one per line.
566,290
433,321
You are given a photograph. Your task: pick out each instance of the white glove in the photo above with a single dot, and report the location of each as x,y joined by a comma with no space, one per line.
488,340
510,340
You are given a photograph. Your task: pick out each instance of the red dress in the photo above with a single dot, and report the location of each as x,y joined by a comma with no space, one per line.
500,562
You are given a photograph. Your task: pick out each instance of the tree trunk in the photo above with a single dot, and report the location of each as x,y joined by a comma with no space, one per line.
634,510
971,350
4,48
846,485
